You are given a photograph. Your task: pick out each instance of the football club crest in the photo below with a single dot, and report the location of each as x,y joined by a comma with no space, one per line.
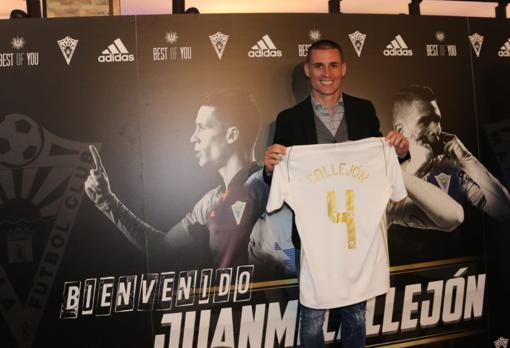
219,42
238,210
476,42
41,188
443,180
358,41
67,46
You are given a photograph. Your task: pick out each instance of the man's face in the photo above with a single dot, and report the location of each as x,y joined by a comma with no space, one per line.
423,123
210,138
326,71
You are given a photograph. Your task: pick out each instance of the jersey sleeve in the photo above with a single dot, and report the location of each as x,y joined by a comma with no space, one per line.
259,191
398,189
279,186
180,234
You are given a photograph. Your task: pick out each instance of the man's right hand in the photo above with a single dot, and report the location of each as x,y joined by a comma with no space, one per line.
273,156
455,149
97,186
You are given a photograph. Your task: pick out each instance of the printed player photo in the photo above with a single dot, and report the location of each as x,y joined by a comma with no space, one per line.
226,130
441,158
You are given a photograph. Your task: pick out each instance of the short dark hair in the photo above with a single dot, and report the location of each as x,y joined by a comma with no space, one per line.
324,45
236,108
408,95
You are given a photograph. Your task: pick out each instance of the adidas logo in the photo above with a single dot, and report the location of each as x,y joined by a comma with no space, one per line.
116,52
504,51
264,48
398,47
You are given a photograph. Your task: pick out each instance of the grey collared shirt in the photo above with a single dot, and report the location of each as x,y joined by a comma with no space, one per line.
330,120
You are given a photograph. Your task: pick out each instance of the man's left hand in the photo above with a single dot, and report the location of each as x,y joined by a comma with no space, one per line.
400,142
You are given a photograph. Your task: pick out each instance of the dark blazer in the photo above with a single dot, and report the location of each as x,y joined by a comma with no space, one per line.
296,126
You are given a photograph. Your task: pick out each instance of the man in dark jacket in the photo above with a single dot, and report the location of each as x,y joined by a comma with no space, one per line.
327,116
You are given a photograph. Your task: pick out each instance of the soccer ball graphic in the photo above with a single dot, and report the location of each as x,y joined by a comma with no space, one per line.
20,140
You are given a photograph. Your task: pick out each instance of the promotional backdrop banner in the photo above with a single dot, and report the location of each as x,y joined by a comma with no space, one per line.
132,202
491,64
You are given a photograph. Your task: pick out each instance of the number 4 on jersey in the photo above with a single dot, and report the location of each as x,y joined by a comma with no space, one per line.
346,217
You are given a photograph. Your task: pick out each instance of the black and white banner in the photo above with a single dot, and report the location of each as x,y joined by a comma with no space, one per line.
128,218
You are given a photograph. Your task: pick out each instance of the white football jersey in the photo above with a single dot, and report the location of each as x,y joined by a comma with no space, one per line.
339,193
